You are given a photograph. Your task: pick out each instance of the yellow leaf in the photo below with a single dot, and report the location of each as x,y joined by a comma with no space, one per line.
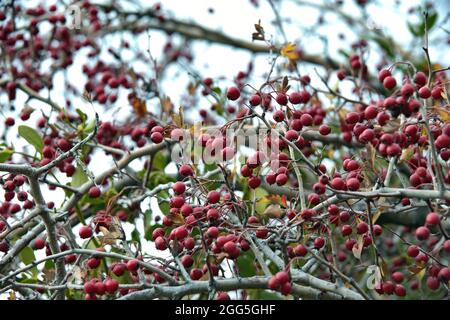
444,113
407,154
178,119
289,51
178,219
166,105
140,107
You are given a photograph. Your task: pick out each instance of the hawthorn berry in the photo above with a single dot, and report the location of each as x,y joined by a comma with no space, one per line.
85,232
422,233
432,219
389,82
233,93
94,192
111,286
319,242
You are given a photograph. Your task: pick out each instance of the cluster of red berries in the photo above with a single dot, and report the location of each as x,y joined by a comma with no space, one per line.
96,287
280,282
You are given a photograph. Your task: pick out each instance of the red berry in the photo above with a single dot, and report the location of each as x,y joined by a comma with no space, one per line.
94,192
353,184
346,230
367,136
398,277
295,98
338,184
442,142
362,228
281,179
85,232
306,119
324,130
213,197
9,122
300,250
89,287
223,296
156,137
444,274
273,284
420,79
39,243
422,233
432,219
424,92
389,82
341,75
281,99
393,150
413,251
64,145
160,243
254,182
370,112
179,187
388,287
319,242
407,90
19,180
111,285
352,117
255,100
100,288
383,74
132,265
186,170
278,116
9,186
436,93
282,277
233,93
446,246
291,135
433,283
189,243
377,230
196,274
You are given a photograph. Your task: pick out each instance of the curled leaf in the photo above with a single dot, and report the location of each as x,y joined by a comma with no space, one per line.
289,50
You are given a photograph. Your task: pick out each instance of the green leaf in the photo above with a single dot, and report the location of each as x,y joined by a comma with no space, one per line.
246,264
418,30
82,115
147,218
32,137
136,236
5,154
27,257
258,294
49,265
414,29
160,161
79,178
164,207
431,21
385,44
89,126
